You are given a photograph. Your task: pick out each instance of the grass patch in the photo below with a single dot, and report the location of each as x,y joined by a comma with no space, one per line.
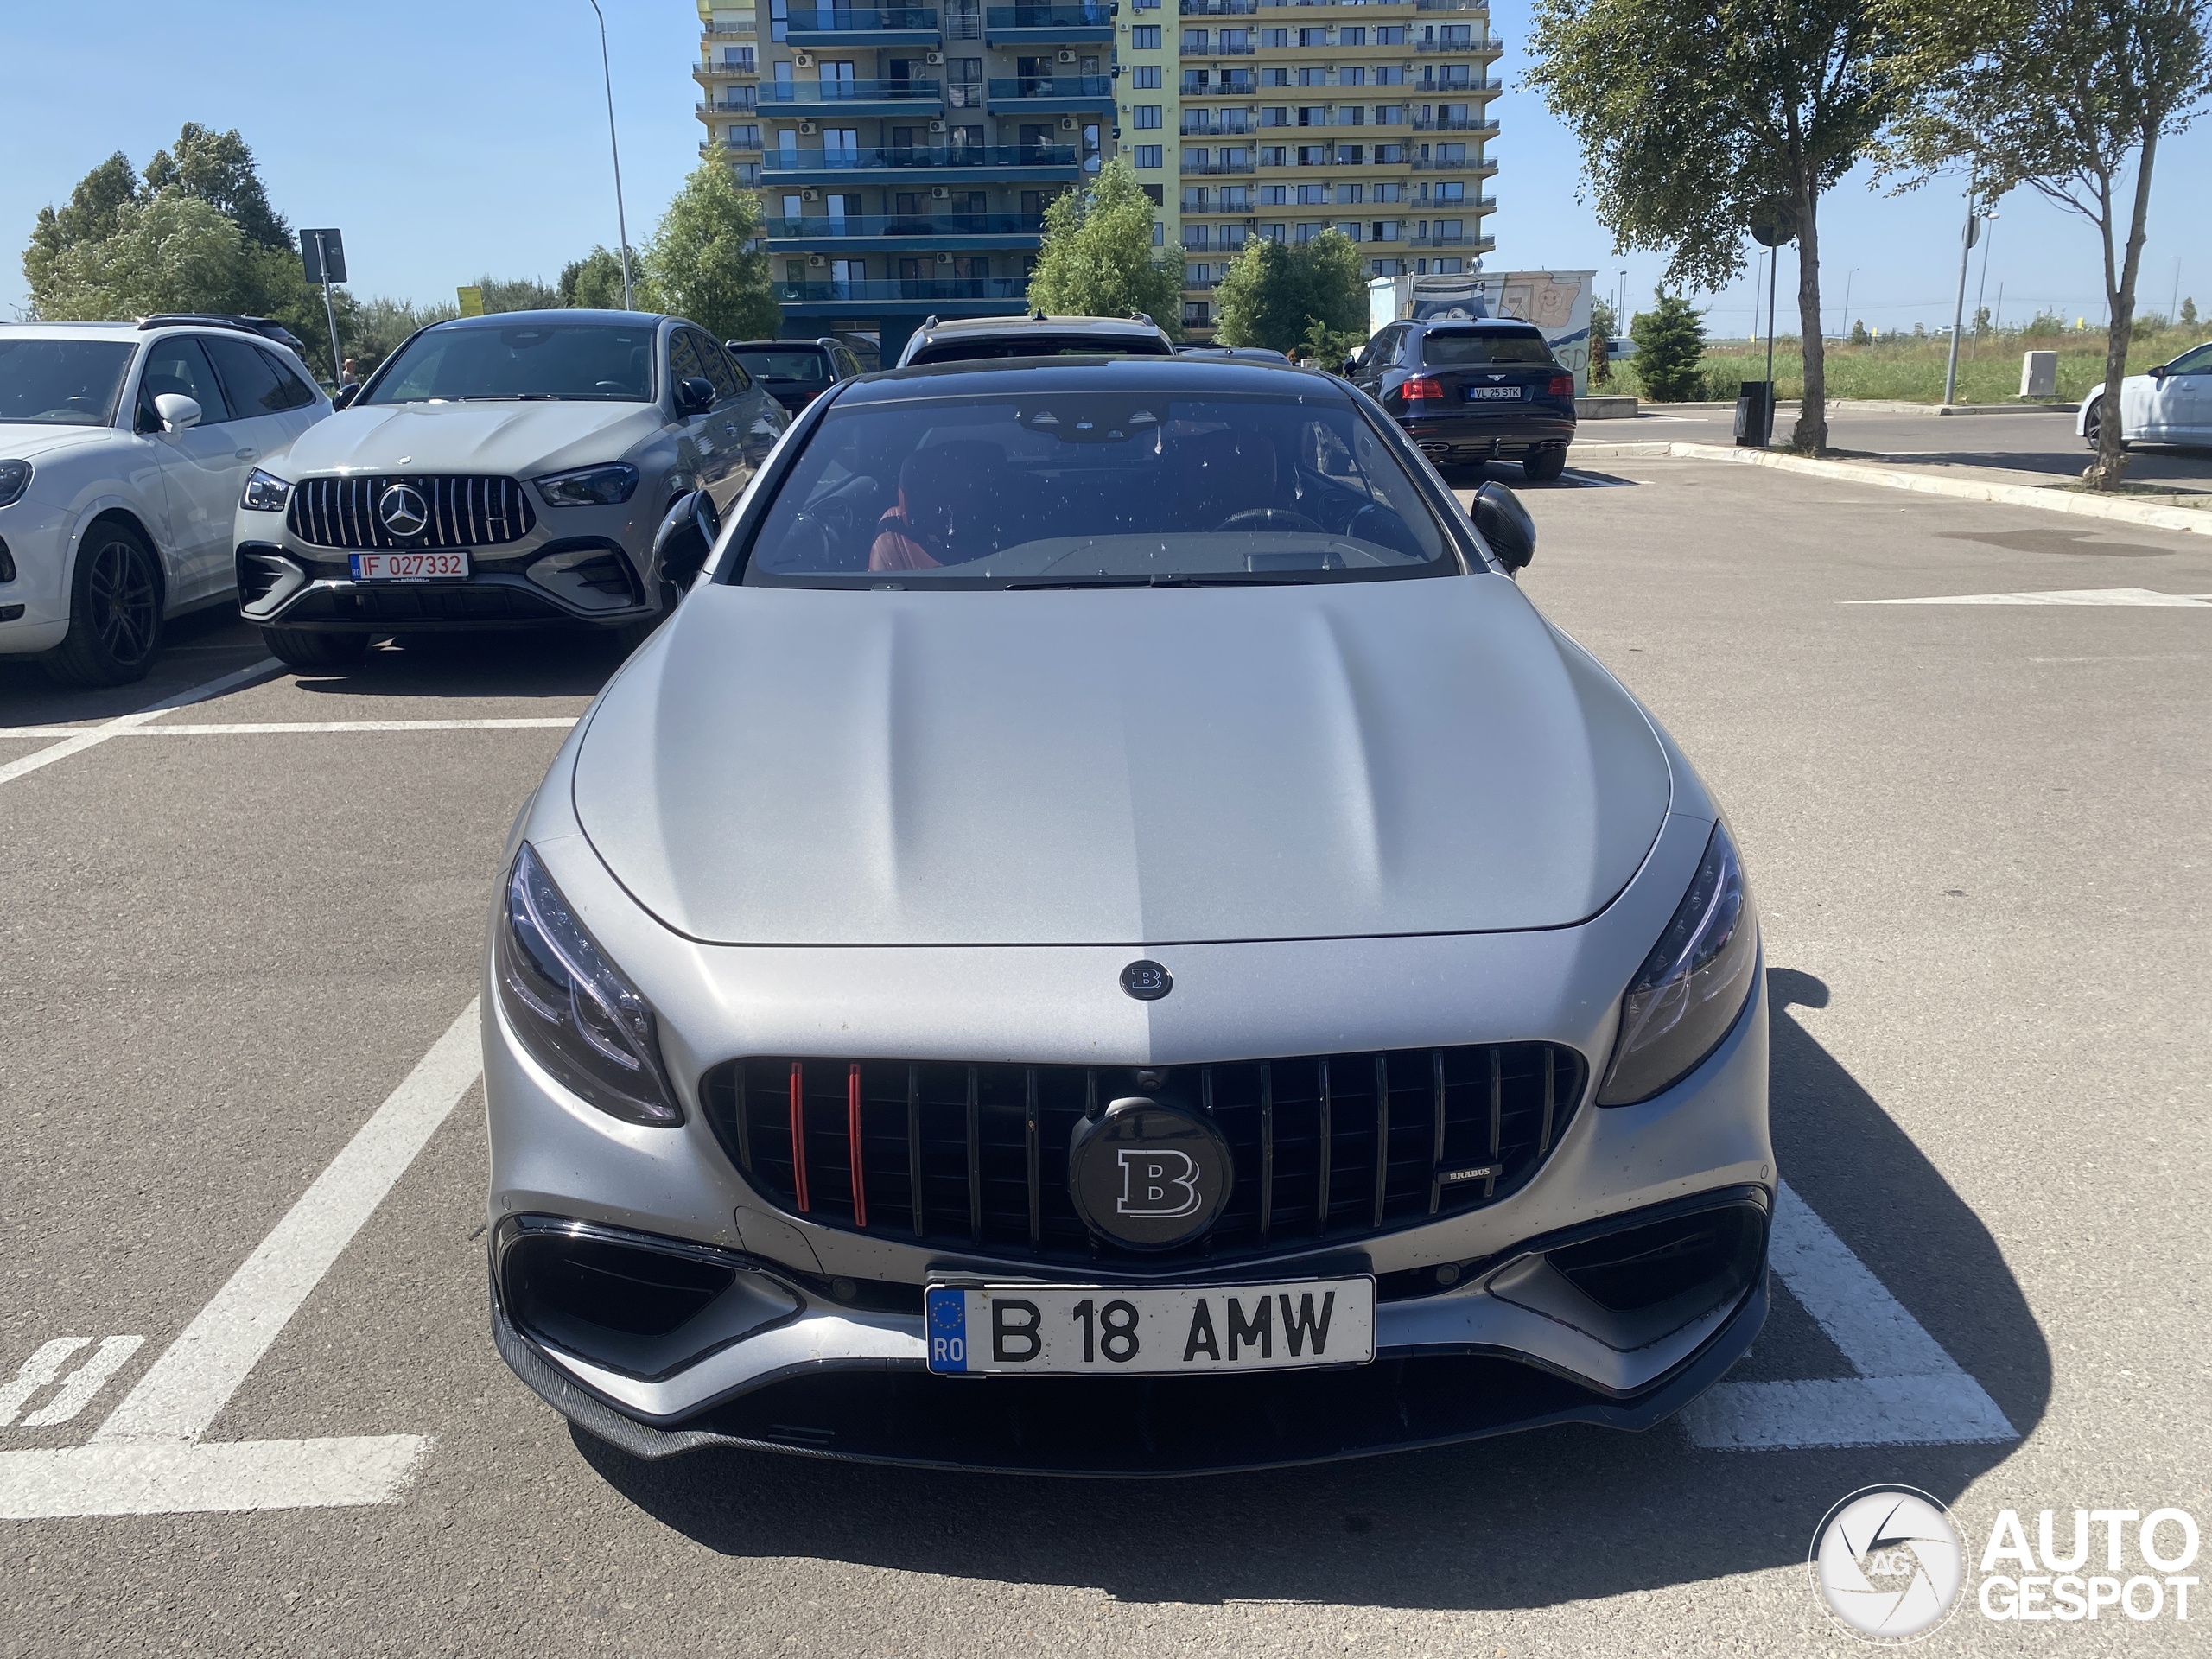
1911,370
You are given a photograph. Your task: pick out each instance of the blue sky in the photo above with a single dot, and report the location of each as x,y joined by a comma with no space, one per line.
453,140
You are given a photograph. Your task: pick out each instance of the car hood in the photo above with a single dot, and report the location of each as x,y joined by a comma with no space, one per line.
29,440
512,439
787,767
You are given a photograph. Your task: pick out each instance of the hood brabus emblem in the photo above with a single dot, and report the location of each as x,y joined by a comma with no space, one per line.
1147,980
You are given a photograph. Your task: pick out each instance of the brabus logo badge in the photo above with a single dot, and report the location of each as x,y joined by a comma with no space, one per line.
403,509
1158,1183
1148,982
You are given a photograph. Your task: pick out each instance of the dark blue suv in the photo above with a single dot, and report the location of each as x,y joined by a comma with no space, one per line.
1469,391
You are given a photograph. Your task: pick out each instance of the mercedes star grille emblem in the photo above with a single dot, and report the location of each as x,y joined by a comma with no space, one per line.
403,509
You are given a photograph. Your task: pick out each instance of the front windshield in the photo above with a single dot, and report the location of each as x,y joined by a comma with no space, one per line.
61,382
1460,347
809,367
1067,488
589,362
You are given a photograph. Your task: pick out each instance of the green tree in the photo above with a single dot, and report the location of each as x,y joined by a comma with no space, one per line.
2188,311
218,169
1097,260
2070,98
1604,326
1669,344
1277,293
377,327
518,294
1858,336
594,282
1689,115
706,259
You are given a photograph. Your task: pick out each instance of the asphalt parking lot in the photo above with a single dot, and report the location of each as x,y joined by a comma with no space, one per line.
238,930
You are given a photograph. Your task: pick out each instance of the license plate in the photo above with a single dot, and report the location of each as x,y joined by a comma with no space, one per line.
1493,394
410,567
1124,1331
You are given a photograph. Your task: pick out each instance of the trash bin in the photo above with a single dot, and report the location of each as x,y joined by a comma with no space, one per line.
1755,414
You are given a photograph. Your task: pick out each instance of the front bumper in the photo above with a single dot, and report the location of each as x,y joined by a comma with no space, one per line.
34,602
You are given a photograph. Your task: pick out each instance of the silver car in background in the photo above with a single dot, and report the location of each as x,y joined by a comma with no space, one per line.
499,472
1109,936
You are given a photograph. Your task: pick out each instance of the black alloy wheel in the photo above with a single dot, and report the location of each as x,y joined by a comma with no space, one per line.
1544,465
115,611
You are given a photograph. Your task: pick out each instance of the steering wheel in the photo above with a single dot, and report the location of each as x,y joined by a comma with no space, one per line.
1265,518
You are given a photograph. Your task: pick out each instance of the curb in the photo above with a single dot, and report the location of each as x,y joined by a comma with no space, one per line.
2135,511
1890,406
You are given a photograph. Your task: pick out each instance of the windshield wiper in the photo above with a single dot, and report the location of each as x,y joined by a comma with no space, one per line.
1235,580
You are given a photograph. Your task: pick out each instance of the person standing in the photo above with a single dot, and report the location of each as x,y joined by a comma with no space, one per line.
348,374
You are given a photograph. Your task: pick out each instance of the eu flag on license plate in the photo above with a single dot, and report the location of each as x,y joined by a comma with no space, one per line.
948,1330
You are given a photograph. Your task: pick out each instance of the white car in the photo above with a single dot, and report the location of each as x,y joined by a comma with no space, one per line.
2170,404
512,471
124,448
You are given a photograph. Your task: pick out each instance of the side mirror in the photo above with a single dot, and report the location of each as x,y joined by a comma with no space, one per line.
1351,367
177,411
1506,525
685,538
346,395
695,395
2158,372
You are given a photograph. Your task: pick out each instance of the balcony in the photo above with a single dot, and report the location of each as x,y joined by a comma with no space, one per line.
1222,49
1219,8
1197,130
951,163
854,97
1073,94
1454,123
726,71
987,295
1489,45
1036,25
866,26
749,104
878,233
1207,169
728,35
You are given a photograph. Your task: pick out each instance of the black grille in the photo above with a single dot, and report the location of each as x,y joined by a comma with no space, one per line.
463,512
1333,1147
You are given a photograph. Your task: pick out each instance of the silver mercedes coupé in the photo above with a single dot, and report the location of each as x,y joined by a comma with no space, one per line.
1106,936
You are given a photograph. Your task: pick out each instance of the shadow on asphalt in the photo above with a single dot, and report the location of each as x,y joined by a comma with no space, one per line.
535,663
1524,1520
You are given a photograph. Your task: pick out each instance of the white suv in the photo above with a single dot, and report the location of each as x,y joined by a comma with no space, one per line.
124,448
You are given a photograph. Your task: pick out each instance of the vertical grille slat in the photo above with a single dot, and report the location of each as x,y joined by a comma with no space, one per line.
463,512
973,1155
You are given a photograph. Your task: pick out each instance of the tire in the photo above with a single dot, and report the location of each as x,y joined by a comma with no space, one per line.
2093,428
307,648
1544,465
115,611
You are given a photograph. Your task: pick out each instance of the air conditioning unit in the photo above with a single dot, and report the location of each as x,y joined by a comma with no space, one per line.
945,259
938,193
1066,56
932,58
806,127
936,126
804,59
815,261
1067,123
810,194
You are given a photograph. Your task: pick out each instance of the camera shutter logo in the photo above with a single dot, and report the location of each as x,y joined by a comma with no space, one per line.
403,509
1887,1564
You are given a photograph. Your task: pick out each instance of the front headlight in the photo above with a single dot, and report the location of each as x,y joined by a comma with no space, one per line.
265,492
574,1011
1686,996
15,479
590,487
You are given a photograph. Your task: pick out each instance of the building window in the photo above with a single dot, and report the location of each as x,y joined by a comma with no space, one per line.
1388,267
1274,233
1144,37
1195,197
1194,40
1232,236
1383,193
1385,154
1156,194
1145,117
1194,236
1274,37
1274,195
1390,34
780,19
1347,193
1158,234
1274,155
1389,115
1147,156
1313,195
1351,75
1274,115
1391,74
1195,313
1274,77
1145,78
1451,190
1351,37
1310,76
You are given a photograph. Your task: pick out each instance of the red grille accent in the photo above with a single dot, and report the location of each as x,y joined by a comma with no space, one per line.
799,1136
852,1140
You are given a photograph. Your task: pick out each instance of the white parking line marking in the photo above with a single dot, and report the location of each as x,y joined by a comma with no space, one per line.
2064,596
1908,1391
40,1369
257,728
84,737
148,1458
80,1385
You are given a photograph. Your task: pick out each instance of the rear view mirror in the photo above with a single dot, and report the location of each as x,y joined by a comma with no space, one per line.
1506,526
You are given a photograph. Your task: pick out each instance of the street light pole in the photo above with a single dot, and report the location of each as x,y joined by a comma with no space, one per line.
1958,311
622,221
1845,331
